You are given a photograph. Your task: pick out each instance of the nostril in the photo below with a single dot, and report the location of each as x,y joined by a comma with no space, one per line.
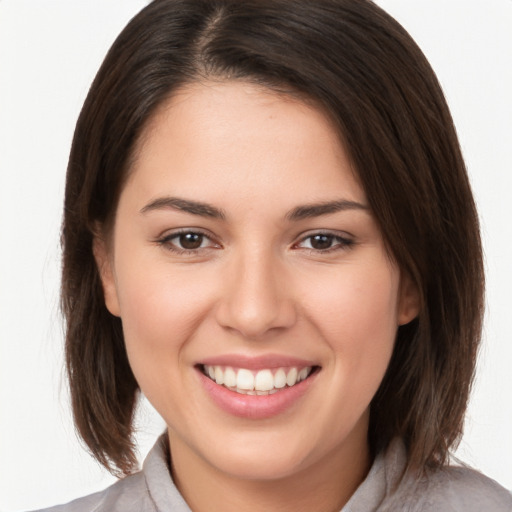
254,319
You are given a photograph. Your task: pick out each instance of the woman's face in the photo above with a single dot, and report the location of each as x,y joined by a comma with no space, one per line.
243,259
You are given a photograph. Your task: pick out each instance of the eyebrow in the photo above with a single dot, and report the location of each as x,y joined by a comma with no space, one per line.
319,209
208,210
185,205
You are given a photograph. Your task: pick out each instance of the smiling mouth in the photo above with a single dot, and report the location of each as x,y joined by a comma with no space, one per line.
262,382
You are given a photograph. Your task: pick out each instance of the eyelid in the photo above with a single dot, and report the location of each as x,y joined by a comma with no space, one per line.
169,233
166,237
342,239
345,240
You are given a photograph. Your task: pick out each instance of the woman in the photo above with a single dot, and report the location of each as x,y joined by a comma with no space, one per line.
269,231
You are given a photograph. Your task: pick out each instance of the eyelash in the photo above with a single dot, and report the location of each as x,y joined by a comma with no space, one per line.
340,243
167,242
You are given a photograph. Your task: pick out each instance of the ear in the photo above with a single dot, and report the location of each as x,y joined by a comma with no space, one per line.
105,269
409,300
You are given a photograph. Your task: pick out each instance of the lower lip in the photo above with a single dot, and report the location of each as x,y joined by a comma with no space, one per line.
255,407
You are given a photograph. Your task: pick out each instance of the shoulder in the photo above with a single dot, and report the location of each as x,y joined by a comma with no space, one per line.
460,488
453,489
126,495
149,490
449,489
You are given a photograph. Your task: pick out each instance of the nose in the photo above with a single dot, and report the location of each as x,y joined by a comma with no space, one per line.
257,297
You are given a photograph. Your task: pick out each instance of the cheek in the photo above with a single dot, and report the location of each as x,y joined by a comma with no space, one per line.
160,310
358,299
356,314
160,313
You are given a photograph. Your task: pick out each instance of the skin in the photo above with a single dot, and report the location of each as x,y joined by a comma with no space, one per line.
258,284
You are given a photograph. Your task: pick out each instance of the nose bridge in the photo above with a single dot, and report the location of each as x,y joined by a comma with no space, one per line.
256,298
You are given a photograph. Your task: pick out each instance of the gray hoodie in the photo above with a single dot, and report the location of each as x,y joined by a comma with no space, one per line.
453,489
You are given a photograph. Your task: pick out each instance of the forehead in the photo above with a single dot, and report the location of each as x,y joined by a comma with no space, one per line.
242,137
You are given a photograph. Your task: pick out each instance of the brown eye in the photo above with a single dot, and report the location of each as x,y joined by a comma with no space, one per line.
321,242
325,243
190,241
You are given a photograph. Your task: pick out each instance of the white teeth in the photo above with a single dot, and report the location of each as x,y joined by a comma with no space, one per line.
219,375
280,379
302,374
244,379
291,378
230,378
262,382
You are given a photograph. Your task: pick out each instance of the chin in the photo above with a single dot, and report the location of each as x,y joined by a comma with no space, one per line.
257,455
261,464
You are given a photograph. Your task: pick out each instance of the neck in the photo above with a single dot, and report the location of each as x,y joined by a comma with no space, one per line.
324,486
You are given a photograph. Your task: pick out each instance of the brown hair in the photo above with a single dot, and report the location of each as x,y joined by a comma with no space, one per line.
363,69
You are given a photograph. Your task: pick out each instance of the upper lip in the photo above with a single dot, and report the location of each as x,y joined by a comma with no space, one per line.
266,361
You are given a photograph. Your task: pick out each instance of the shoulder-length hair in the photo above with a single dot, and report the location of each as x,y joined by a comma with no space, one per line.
365,72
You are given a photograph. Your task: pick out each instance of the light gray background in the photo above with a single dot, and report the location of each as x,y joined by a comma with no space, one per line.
49,53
